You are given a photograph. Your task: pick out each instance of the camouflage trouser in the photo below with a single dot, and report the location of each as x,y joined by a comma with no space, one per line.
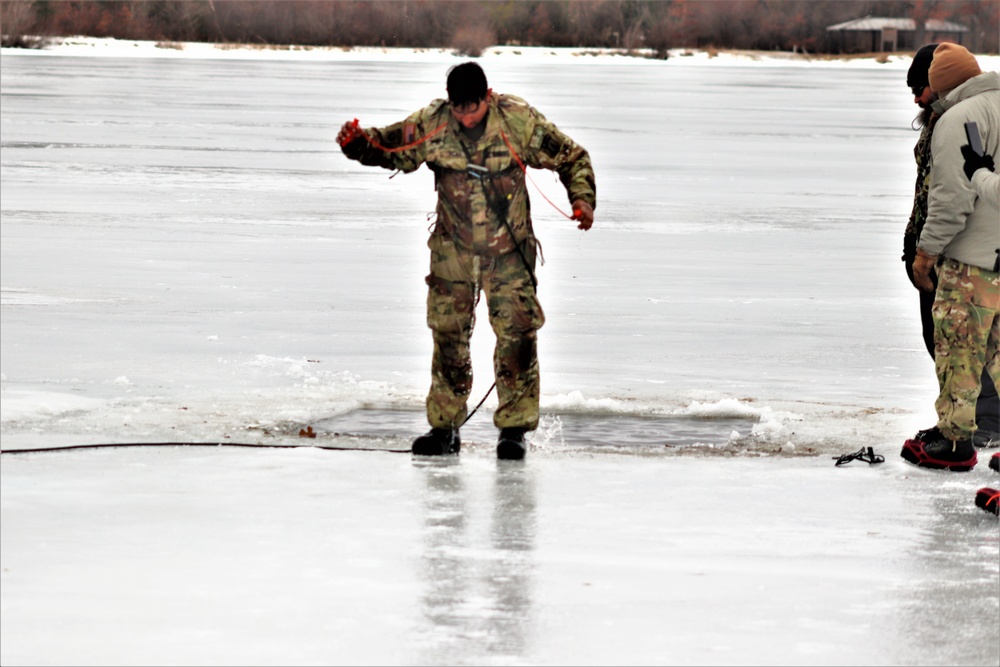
966,340
453,291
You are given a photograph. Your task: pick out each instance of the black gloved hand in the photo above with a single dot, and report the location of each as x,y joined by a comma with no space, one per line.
909,254
974,162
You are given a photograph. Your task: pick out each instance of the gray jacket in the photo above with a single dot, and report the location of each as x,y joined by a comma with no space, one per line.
959,224
986,183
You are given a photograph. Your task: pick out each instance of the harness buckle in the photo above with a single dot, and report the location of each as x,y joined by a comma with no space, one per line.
477,172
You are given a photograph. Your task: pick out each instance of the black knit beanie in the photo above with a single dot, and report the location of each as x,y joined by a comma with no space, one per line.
917,75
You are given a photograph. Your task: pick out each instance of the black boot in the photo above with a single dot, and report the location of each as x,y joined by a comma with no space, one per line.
931,449
986,439
437,442
511,445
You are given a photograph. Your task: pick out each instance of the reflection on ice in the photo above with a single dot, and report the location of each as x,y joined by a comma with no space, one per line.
956,579
271,556
511,573
478,602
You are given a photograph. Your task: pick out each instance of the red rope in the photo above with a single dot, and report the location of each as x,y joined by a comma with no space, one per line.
528,176
413,144
357,131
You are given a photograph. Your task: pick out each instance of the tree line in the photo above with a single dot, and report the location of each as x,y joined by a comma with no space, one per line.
470,26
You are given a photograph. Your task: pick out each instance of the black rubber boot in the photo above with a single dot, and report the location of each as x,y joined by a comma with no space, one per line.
511,445
437,442
986,439
930,449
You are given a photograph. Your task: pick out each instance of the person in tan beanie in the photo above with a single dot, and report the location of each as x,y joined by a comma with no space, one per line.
961,237
917,80
952,66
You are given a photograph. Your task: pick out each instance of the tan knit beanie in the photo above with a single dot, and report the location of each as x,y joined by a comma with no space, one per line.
952,66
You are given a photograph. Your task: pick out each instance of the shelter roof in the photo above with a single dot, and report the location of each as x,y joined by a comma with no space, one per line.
869,23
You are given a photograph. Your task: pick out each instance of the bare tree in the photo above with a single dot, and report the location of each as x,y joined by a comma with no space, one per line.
472,25
17,18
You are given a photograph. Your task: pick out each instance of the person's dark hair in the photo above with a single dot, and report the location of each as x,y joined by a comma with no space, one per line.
466,83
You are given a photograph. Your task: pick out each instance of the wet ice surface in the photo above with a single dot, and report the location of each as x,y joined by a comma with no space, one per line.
573,431
187,257
223,556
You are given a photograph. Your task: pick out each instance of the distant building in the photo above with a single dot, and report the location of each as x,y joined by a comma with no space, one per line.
872,34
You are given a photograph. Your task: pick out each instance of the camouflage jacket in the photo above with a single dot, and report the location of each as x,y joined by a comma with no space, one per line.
922,155
482,193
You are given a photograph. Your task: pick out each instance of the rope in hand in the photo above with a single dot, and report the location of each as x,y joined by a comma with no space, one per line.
356,132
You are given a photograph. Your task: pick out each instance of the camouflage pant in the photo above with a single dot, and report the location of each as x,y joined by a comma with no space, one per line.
966,340
454,285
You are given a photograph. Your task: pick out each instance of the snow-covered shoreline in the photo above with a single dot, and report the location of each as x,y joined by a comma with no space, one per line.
80,46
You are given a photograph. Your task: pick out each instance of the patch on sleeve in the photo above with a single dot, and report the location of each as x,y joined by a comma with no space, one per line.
536,137
409,133
551,145
393,138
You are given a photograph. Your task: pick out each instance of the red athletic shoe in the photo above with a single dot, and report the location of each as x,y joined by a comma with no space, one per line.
989,500
995,461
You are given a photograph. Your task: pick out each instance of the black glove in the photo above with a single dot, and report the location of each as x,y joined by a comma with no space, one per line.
909,247
974,162
909,254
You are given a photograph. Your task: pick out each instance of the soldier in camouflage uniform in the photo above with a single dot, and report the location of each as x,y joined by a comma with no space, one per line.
478,144
987,403
961,236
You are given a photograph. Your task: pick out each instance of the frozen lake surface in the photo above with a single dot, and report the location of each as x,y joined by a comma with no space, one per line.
187,257
300,556
184,233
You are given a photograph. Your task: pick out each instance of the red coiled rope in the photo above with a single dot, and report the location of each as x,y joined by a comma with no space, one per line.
358,132
524,168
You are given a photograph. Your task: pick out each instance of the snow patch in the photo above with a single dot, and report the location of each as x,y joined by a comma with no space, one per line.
24,405
10,296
